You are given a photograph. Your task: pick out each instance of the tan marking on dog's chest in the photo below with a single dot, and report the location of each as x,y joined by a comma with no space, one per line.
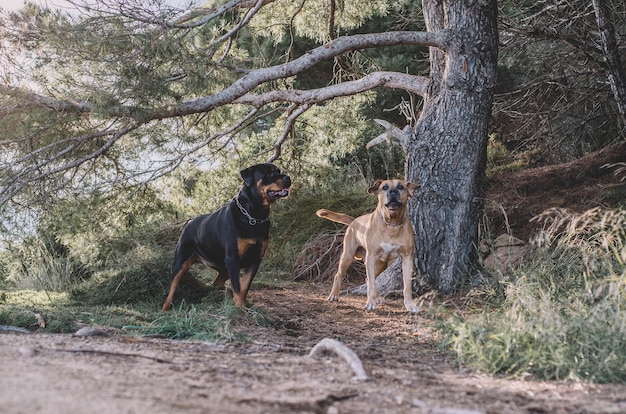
244,244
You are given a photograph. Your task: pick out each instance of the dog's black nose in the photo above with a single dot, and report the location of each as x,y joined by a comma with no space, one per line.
286,181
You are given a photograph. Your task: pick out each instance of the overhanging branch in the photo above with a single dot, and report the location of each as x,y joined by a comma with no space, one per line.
394,80
13,184
35,99
239,91
334,48
289,123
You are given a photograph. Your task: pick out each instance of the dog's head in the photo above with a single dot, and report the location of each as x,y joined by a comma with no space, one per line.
267,181
393,194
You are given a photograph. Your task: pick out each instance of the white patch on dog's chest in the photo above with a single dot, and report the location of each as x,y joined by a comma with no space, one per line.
389,250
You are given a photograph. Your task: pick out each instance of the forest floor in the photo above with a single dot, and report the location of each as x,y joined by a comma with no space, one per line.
272,373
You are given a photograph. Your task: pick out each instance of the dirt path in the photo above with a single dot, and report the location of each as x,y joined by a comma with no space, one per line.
45,373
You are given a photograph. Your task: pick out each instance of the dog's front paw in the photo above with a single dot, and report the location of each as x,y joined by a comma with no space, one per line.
411,307
370,306
333,298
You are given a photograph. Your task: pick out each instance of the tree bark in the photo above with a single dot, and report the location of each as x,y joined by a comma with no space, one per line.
615,69
447,153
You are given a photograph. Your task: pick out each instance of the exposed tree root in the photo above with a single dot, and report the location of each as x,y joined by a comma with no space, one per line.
390,280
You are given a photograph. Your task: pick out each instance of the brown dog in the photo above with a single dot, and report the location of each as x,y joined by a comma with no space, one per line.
379,237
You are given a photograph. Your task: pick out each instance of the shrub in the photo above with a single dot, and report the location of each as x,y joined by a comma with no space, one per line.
43,264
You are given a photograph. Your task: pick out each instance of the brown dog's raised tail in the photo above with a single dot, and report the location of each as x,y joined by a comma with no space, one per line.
343,219
336,217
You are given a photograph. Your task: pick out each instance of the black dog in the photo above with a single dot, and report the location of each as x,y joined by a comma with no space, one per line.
235,237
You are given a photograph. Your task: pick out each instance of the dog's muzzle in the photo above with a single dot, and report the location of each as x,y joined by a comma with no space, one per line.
285,182
393,205
394,202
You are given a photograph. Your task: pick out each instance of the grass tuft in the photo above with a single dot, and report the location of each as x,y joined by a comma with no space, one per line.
208,323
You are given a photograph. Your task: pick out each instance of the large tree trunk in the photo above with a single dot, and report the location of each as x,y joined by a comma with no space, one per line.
447,152
615,70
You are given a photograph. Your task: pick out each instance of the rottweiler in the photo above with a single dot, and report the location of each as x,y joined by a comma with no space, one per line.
234,237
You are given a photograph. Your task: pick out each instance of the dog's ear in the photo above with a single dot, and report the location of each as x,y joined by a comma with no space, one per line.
248,175
374,188
411,188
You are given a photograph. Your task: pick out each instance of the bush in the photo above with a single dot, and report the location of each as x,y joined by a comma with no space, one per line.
43,264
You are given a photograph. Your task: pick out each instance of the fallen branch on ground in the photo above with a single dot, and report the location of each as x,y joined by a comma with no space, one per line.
119,354
91,331
17,329
41,322
343,351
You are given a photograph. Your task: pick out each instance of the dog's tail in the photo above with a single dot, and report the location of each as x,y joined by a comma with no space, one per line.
336,217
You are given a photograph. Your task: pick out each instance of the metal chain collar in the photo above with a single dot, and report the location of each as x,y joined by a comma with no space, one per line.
251,220
388,223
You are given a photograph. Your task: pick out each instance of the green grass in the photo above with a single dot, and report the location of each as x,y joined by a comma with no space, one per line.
61,314
212,320
562,314
208,322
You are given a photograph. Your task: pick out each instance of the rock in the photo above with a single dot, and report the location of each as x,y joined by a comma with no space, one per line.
507,251
27,351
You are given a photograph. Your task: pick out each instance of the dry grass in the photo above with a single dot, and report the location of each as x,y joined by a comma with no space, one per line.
620,169
319,259
597,233
563,312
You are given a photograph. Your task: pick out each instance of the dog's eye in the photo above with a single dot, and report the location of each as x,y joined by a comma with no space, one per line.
385,187
400,187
